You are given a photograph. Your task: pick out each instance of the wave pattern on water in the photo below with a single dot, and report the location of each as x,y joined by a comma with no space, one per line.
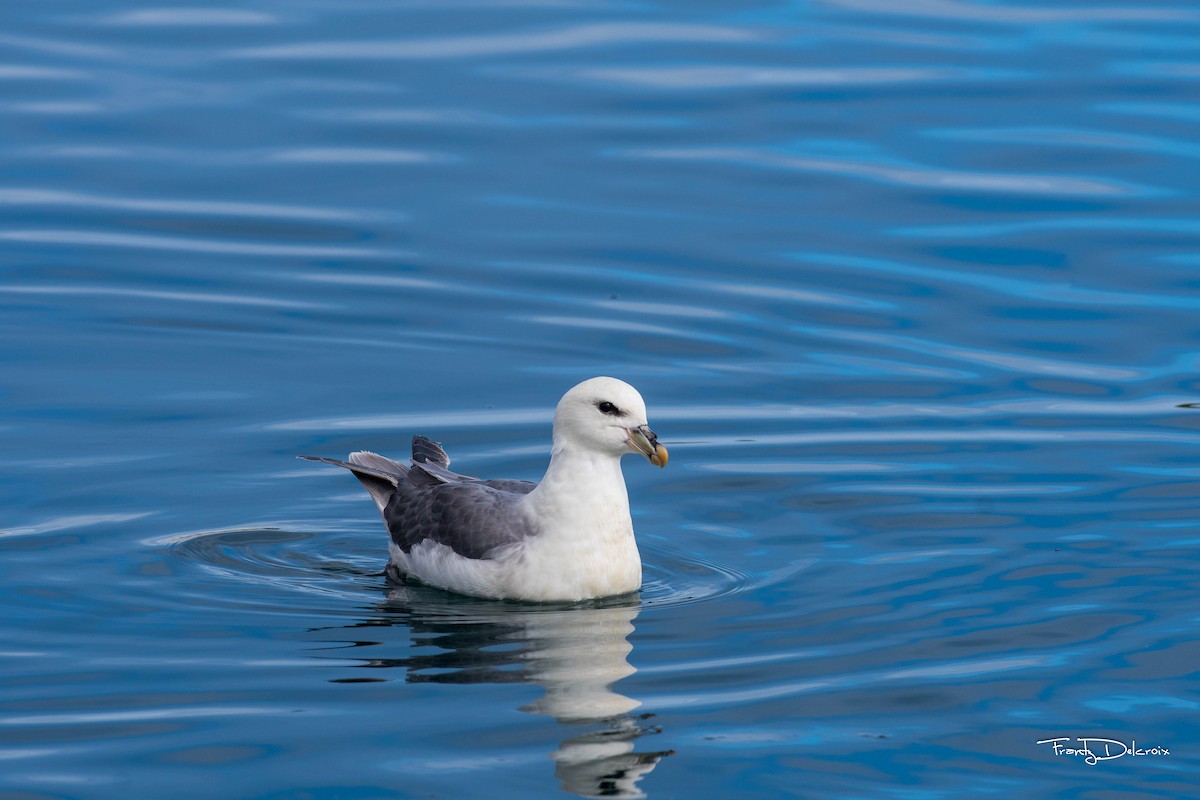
909,288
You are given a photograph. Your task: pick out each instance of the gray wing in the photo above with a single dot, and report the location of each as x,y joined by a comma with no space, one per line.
427,451
427,501
431,463
473,518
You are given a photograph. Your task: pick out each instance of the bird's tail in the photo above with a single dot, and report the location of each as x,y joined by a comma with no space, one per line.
379,475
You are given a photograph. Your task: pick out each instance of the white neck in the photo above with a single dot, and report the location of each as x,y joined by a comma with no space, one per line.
585,491
584,545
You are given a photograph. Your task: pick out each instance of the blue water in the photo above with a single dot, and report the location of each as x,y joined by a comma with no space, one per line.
911,290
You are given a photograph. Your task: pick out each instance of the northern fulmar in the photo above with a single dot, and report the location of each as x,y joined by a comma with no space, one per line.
568,537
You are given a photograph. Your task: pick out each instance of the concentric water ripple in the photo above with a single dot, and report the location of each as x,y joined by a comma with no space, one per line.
281,561
275,563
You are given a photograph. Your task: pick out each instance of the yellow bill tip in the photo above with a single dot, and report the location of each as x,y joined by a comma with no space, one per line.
659,459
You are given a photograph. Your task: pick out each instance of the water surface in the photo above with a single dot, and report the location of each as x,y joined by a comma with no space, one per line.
911,292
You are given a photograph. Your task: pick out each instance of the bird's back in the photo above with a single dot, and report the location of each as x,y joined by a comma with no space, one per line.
473,518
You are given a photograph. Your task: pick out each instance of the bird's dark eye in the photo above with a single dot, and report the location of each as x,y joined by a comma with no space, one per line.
608,408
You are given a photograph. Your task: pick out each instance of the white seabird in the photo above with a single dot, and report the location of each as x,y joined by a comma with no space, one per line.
568,537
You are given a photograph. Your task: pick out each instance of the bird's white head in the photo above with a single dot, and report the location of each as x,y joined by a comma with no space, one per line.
608,416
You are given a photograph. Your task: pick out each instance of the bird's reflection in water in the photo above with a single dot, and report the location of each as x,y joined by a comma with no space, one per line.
574,652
